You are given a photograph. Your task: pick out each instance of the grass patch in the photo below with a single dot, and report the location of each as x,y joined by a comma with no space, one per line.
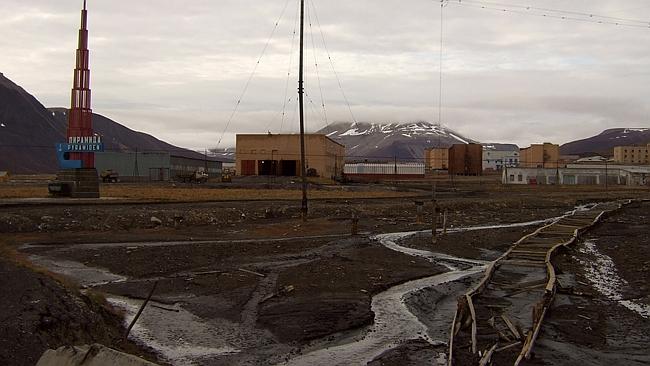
197,194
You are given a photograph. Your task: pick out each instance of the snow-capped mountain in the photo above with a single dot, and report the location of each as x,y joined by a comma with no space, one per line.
605,142
225,154
379,141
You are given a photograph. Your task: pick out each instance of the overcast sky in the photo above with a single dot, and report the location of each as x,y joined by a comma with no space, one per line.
175,69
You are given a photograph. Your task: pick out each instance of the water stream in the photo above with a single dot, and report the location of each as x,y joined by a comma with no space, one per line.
394,323
183,338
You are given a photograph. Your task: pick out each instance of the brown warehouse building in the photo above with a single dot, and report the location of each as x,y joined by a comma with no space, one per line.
466,159
279,155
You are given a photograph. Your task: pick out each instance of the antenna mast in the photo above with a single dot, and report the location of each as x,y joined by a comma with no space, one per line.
301,91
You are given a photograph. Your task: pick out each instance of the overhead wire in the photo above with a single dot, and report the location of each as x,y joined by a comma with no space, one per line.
568,12
329,57
250,78
313,45
552,13
442,6
286,86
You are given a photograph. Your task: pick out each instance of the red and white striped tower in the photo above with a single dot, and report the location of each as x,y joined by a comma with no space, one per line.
80,116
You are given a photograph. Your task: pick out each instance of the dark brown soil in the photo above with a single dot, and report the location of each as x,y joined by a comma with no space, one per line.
334,294
412,353
298,289
587,327
39,313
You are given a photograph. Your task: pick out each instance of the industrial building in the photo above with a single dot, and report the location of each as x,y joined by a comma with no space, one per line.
436,159
498,156
579,175
376,172
546,155
632,154
155,166
279,155
466,159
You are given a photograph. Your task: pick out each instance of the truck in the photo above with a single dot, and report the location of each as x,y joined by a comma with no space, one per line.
110,176
197,176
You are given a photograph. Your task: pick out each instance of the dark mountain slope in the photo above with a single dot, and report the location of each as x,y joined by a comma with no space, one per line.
605,142
29,132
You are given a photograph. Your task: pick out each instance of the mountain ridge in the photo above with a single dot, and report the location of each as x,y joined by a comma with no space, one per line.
604,142
29,133
383,141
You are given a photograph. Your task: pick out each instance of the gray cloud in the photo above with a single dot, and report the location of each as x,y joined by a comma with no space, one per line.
176,69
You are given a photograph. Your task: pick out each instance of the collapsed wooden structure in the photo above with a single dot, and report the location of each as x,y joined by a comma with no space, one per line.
499,320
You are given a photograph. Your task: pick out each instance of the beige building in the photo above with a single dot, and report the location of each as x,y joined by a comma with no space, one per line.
632,154
436,159
279,155
544,155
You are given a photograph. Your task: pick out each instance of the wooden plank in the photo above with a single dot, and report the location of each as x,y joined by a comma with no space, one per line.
523,263
529,288
451,339
531,252
511,326
507,347
527,284
487,356
471,310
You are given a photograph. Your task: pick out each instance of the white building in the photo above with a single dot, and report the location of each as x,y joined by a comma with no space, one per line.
384,168
496,156
577,174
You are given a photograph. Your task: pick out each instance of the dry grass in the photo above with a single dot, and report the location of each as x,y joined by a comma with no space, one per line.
168,193
10,191
235,194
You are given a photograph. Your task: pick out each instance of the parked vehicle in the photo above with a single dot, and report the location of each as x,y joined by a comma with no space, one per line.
197,176
110,176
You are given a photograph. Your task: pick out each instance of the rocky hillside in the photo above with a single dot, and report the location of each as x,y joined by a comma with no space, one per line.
387,141
605,142
29,132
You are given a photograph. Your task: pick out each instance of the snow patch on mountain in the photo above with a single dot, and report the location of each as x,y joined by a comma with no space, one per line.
389,140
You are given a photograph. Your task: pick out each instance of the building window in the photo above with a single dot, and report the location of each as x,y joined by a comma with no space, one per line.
512,177
520,178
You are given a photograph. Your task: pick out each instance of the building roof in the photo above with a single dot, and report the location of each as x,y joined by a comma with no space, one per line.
500,147
290,134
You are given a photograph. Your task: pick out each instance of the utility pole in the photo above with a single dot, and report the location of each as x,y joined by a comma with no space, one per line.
434,223
136,170
301,92
606,178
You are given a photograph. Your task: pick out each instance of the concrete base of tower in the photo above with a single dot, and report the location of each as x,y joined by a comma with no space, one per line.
75,183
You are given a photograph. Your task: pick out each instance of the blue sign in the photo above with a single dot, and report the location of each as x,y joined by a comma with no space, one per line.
84,145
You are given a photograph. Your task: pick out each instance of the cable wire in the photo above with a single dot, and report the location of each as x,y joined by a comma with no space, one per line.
329,57
250,78
320,87
548,13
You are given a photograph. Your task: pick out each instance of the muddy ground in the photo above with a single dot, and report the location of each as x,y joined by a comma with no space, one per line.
603,278
257,276
40,313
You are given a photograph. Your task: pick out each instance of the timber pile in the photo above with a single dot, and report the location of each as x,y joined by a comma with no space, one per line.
498,321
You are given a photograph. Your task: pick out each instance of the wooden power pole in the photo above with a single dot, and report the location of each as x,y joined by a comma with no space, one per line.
301,92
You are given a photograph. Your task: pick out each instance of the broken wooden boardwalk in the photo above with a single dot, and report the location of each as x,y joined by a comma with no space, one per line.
498,321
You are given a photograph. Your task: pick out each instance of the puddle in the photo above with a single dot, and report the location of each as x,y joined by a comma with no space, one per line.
179,336
601,272
85,276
